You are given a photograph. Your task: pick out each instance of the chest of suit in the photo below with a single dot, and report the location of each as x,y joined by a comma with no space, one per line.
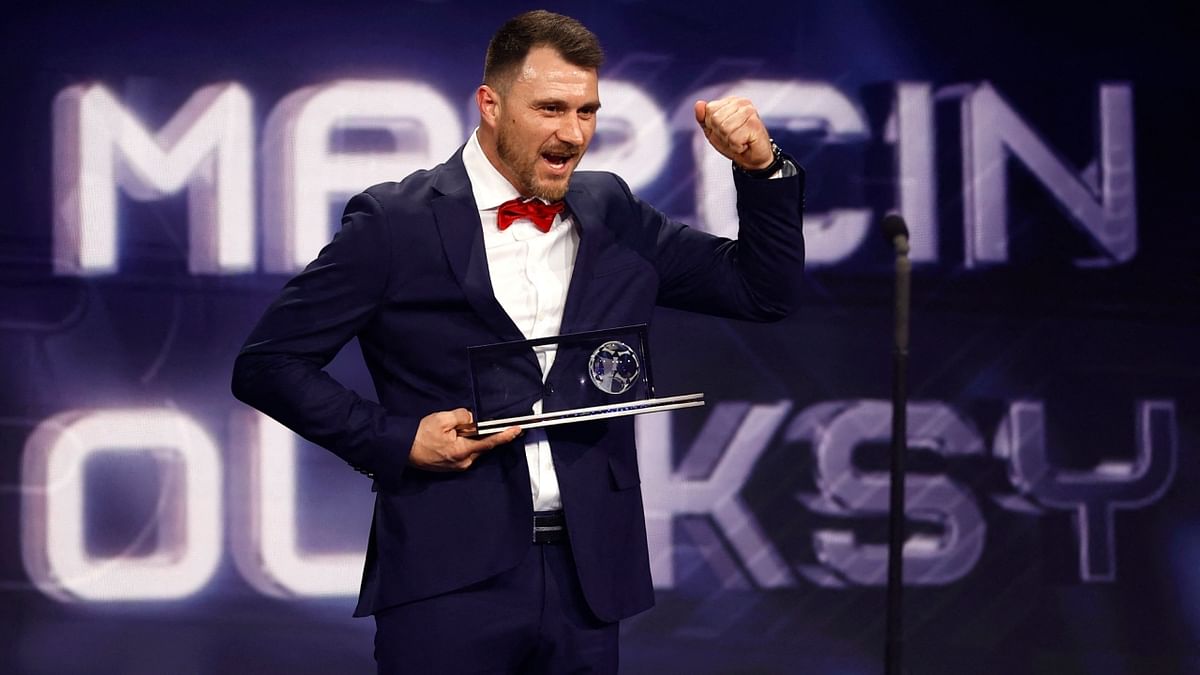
439,301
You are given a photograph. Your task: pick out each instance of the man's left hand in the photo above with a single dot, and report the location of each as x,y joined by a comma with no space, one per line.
733,127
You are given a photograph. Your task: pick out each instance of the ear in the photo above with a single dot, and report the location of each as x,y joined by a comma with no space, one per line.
488,101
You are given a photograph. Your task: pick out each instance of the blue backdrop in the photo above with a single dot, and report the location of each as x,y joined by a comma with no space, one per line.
167,167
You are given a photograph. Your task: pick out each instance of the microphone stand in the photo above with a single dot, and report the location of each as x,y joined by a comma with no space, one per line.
897,231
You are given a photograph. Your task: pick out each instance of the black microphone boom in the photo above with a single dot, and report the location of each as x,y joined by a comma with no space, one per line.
896,231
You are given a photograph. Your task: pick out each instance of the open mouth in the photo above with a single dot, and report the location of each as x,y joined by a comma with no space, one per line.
557,160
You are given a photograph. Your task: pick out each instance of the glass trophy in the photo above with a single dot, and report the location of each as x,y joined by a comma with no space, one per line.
594,375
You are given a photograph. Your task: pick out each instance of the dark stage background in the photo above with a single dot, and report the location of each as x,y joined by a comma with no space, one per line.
166,167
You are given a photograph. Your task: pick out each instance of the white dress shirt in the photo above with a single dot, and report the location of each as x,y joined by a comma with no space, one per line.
530,271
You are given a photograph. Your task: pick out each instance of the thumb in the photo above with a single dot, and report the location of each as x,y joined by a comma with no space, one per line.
701,109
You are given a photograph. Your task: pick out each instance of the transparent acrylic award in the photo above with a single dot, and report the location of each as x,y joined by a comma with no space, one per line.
595,375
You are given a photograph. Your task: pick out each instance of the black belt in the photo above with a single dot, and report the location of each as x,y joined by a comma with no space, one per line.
549,527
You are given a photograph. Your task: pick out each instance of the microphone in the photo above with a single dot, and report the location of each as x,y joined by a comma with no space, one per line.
896,230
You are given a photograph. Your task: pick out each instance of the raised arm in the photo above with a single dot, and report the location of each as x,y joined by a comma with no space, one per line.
756,277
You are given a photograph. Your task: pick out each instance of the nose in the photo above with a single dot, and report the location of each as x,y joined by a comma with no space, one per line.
571,130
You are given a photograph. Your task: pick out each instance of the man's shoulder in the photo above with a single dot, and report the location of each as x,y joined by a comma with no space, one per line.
603,186
415,189
598,180
416,184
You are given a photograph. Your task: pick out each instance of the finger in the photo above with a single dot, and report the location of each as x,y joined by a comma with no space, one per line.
500,438
467,450
746,136
720,104
722,110
703,117
750,135
451,420
736,115
475,446
736,121
508,435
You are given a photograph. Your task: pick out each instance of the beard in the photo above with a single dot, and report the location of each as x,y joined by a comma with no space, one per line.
524,167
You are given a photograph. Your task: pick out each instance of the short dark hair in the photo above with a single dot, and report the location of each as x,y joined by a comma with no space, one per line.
512,42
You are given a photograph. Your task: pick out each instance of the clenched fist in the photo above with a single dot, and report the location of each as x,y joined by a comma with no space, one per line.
733,127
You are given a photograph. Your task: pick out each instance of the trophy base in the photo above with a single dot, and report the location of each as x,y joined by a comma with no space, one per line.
599,412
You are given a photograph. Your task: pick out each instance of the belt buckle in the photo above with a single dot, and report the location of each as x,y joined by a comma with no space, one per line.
549,528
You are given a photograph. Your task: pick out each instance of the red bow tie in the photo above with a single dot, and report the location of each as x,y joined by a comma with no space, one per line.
540,213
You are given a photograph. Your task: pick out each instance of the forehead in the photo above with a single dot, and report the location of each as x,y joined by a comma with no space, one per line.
545,73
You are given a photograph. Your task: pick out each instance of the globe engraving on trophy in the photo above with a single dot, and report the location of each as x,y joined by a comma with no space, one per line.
614,367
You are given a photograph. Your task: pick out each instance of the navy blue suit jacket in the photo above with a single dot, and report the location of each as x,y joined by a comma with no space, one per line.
408,276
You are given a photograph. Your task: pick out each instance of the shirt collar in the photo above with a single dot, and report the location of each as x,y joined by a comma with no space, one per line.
490,187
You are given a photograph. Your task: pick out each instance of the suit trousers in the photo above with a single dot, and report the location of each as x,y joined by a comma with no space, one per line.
530,619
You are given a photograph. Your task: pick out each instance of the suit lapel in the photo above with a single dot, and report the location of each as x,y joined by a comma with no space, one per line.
586,215
457,219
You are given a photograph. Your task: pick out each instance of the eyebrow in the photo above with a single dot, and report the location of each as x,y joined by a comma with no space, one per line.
537,103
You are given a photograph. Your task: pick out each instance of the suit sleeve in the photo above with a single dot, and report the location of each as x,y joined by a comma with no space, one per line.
280,369
756,277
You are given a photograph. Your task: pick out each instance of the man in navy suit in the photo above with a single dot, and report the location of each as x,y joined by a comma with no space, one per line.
513,552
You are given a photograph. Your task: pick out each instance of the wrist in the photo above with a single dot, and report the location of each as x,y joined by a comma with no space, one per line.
766,171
